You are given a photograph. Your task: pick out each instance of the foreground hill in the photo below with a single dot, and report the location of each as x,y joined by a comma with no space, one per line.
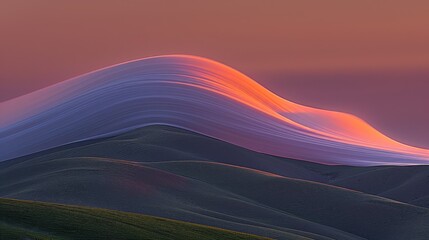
37,220
173,173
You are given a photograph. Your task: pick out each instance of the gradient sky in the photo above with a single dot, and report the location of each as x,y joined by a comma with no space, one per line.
366,57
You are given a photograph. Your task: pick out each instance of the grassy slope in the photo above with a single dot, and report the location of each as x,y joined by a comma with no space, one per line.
364,215
37,220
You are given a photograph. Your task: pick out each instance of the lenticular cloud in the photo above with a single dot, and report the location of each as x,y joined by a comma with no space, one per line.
199,95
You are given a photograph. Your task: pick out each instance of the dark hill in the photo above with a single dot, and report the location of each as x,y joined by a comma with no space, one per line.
174,173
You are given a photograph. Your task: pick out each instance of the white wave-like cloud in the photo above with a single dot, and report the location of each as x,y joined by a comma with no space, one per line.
199,95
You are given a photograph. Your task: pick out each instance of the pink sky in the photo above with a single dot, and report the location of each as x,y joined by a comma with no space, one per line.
367,57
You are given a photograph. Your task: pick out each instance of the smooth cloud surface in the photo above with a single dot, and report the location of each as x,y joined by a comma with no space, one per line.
196,94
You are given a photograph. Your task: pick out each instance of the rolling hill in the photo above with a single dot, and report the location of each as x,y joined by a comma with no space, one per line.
174,173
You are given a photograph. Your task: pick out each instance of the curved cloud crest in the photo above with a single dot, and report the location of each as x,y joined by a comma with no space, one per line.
199,95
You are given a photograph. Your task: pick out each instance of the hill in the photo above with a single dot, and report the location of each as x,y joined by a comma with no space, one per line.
174,173
37,220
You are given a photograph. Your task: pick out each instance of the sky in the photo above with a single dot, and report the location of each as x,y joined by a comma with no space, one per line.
367,57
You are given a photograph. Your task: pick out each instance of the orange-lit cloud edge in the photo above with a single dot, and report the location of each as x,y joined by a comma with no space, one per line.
196,94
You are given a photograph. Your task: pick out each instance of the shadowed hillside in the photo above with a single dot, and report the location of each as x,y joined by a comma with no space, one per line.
170,172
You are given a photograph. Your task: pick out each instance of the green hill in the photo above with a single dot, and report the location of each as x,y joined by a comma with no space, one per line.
37,220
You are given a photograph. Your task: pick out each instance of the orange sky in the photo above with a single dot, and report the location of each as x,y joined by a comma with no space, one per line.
290,46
